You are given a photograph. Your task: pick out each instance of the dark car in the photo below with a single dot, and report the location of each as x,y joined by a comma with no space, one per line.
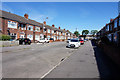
51,39
24,41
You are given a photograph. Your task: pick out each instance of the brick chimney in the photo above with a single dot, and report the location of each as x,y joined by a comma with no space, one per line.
26,16
53,25
64,29
59,27
44,22
111,20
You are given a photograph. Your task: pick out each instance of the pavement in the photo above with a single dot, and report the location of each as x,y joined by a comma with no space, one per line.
81,64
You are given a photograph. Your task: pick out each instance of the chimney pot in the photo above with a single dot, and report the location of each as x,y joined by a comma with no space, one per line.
26,16
44,22
111,20
59,27
53,25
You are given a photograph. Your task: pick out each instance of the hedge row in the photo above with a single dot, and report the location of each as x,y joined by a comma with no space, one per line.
5,37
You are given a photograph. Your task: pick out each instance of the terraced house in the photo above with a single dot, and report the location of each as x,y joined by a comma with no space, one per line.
111,31
23,27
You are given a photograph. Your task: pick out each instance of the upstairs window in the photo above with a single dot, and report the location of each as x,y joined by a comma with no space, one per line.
48,30
107,28
110,27
115,23
119,21
37,29
30,28
12,24
52,31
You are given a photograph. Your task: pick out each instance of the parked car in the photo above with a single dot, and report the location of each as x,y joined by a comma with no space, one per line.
73,43
44,40
24,41
51,39
81,41
68,41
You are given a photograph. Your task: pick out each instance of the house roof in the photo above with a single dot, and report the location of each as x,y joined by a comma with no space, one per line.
20,19
17,18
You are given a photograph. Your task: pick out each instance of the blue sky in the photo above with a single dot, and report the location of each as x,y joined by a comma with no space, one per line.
68,15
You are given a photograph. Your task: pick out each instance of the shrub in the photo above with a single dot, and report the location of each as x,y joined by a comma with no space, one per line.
5,37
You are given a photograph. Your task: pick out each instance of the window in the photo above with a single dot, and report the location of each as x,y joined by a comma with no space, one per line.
48,37
56,32
30,28
110,27
115,23
115,37
48,30
109,37
45,29
37,37
52,31
107,28
30,36
37,29
59,33
119,21
22,26
12,24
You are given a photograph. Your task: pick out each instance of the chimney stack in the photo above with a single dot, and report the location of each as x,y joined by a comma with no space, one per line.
53,25
59,27
64,29
111,20
44,22
26,16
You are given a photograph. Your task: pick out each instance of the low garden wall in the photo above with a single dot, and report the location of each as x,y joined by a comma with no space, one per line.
9,43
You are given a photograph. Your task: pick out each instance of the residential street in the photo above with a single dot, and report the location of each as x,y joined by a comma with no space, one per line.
32,61
81,64
54,60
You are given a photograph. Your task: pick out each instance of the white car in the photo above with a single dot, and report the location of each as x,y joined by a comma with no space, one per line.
73,43
68,41
43,40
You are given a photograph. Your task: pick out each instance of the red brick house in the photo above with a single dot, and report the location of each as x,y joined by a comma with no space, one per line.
21,27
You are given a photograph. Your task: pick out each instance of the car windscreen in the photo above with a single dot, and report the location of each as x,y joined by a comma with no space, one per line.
74,40
80,40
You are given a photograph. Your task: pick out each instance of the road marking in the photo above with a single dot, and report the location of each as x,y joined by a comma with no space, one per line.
56,65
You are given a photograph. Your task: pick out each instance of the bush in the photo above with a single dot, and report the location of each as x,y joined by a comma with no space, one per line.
5,37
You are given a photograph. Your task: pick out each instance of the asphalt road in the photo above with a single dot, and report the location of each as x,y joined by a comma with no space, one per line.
81,64
54,60
33,61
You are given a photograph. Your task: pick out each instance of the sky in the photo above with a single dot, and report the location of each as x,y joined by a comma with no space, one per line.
68,15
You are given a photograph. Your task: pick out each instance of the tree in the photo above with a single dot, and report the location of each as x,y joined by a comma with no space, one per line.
84,33
93,32
76,33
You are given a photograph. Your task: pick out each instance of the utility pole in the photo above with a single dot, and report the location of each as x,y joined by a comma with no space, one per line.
76,29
